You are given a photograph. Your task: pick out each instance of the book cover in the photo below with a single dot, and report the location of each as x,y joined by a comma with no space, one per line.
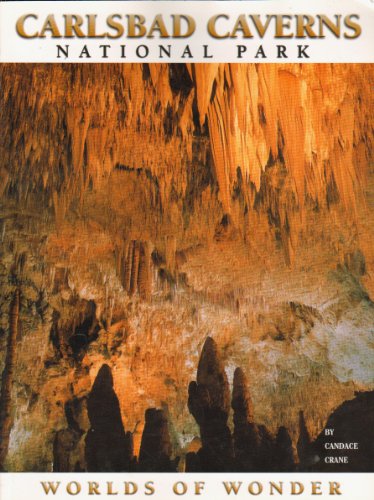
187,249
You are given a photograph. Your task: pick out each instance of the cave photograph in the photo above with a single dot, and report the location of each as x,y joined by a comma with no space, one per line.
186,267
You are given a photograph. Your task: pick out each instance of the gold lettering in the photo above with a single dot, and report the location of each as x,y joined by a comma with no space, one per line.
282,22
241,25
72,24
158,25
110,488
50,25
325,21
296,488
77,488
229,487
335,488
277,487
258,490
20,28
93,488
304,25
356,28
261,28
47,487
177,30
118,27
92,27
136,26
149,488
212,26
177,490
130,488
316,488
199,486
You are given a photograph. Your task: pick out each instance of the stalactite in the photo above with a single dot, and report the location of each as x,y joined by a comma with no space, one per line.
128,266
145,272
135,268
255,115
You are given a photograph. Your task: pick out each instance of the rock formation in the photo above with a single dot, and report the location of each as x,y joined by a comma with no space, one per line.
108,447
304,446
353,424
284,455
209,403
246,433
251,447
6,405
254,447
150,206
156,449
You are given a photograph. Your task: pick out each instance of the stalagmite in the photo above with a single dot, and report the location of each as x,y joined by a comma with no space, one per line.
108,447
155,450
209,403
284,458
241,399
304,449
6,407
246,435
